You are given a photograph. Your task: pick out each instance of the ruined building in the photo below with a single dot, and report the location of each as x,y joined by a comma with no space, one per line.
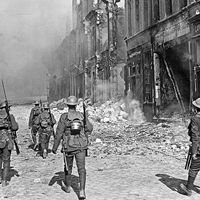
163,59
91,58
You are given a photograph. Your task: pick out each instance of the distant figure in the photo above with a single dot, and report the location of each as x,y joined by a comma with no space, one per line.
194,133
73,128
7,126
35,112
46,122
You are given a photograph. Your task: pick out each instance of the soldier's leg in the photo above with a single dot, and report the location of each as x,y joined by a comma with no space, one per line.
80,161
193,171
67,176
33,135
6,165
43,145
47,142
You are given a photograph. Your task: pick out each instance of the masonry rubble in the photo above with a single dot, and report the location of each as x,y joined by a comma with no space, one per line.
120,128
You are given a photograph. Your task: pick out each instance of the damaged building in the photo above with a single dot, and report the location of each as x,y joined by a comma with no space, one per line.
163,46
92,57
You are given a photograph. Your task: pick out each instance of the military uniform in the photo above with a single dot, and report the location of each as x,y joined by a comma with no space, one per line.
194,133
35,112
6,142
74,143
46,122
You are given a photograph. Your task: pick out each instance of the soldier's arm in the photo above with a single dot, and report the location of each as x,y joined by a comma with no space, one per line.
14,124
59,132
194,135
89,126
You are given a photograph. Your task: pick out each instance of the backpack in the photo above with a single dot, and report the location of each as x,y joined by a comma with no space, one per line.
74,140
4,124
45,119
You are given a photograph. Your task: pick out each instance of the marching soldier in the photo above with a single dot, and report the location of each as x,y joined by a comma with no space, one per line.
7,126
73,129
35,112
46,123
194,133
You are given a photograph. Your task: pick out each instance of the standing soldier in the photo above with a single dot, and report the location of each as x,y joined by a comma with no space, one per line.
35,112
73,132
46,122
194,133
7,126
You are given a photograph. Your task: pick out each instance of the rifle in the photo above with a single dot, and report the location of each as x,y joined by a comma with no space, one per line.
13,133
65,163
189,159
84,123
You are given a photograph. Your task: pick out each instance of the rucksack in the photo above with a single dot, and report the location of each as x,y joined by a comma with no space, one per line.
74,139
45,119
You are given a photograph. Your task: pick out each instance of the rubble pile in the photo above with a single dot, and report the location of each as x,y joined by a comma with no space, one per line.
169,137
120,128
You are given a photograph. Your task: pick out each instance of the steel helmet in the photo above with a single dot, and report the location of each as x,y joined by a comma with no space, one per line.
72,101
37,103
2,105
46,106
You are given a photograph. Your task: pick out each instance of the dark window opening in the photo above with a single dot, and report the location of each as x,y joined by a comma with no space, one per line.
156,10
129,18
183,3
137,14
146,13
168,7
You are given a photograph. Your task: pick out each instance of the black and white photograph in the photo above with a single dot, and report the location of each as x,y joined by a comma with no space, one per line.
99,99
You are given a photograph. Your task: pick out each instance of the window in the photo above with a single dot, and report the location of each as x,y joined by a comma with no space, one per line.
183,3
129,18
156,12
146,13
137,15
168,4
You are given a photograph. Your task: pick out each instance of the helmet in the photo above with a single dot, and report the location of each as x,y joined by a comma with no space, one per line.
46,106
37,103
72,101
2,105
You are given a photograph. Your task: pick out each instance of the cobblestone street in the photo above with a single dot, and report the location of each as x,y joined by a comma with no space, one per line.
144,175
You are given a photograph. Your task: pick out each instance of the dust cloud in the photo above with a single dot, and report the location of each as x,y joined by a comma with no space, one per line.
30,31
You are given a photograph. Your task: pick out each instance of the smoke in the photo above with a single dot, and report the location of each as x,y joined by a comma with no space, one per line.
29,31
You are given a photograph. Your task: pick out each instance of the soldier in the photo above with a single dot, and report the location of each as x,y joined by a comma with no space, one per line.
194,133
6,143
74,142
35,112
46,122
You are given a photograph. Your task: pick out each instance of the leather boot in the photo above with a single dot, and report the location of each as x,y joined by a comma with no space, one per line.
188,188
67,183
6,170
82,177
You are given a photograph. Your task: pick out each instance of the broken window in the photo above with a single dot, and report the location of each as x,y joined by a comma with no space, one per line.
168,7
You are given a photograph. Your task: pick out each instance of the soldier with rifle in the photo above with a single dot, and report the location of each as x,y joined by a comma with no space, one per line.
35,112
193,159
74,136
46,121
8,128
